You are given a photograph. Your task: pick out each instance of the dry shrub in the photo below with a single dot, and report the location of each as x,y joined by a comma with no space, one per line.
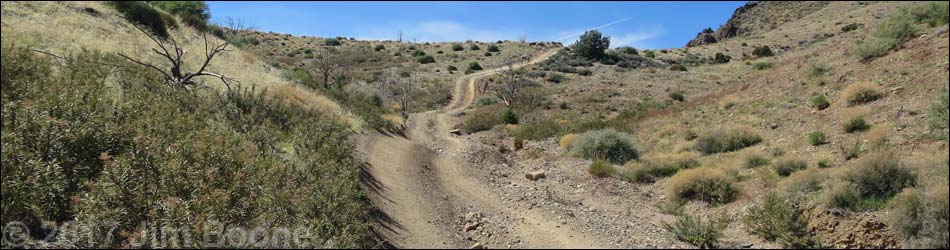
566,141
879,136
729,101
306,99
659,166
727,140
861,93
853,120
704,184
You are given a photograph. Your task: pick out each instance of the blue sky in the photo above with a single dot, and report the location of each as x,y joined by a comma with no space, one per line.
646,25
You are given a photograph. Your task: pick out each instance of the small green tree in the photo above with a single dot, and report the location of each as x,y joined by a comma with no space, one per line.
592,45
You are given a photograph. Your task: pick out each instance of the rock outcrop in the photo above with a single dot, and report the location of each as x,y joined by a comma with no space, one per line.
756,18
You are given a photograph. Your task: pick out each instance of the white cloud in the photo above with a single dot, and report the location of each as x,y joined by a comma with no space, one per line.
637,39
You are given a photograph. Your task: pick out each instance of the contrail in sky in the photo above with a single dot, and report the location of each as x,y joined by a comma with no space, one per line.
596,28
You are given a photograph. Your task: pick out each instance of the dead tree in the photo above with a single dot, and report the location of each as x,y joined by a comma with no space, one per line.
173,52
407,87
327,63
511,85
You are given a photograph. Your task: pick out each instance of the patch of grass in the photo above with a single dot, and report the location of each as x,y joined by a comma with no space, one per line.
763,51
655,167
762,65
851,151
486,101
850,27
729,101
901,26
785,167
601,169
817,138
609,144
678,67
699,232
706,184
727,140
778,220
853,120
934,14
861,93
820,102
939,112
920,217
566,141
141,14
457,47
426,59
556,78
755,161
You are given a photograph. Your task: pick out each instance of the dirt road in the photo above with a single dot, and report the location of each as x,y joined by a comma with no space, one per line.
428,199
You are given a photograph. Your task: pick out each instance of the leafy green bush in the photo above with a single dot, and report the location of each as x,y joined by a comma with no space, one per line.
332,42
894,30
601,169
141,14
452,68
474,47
778,220
628,50
727,140
817,138
193,13
426,59
85,143
493,48
610,145
457,47
650,54
856,124
418,53
474,66
699,232
820,102
721,58
785,167
872,181
592,45
934,14
379,47
508,116
763,51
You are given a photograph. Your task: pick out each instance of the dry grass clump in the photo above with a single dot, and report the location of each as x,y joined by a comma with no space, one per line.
707,184
853,120
566,141
655,167
786,166
729,101
727,140
871,182
861,93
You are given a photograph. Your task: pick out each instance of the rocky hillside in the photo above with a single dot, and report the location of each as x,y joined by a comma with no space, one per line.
757,17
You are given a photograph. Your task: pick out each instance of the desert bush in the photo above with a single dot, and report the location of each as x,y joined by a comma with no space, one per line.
763,51
493,48
121,146
817,138
483,119
801,186
474,47
566,141
872,181
628,50
539,129
727,140
585,72
850,27
486,101
601,169
379,47
699,232
678,67
704,184
141,14
939,112
418,53
427,59
785,167
820,102
678,96
592,45
649,54
853,120
851,151
920,217
879,136
332,42
457,47
897,28
452,68
610,145
193,13
475,66
661,166
755,161
556,78
721,58
861,93
729,101
762,65
931,13
817,69
778,220
508,116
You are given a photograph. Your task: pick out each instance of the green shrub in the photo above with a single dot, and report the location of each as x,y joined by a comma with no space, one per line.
763,51
379,47
427,59
601,169
592,45
483,119
785,167
861,93
650,54
727,140
457,47
762,65
677,96
850,27
721,58
820,102
872,181
193,13
452,68
678,67
556,78
939,112
919,217
332,42
851,151
134,150
141,14
934,14
704,184
486,101
508,116
474,47
893,31
610,145
493,48
699,232
817,138
585,72
653,169
418,53
778,220
755,161
474,66
628,50
856,124
824,163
